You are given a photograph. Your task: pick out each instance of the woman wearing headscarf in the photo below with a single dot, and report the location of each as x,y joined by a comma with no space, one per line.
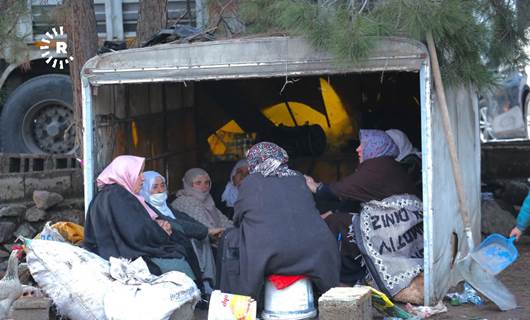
230,193
239,172
275,208
403,143
195,200
386,234
154,191
377,177
121,224
409,157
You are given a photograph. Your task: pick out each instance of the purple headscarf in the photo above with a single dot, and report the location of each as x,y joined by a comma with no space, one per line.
269,159
376,143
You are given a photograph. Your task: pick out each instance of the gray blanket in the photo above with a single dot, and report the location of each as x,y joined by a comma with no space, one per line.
389,233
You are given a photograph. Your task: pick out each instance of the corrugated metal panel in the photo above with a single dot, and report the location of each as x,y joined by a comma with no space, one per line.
446,218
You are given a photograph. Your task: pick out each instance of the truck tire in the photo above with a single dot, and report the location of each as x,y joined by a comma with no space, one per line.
37,116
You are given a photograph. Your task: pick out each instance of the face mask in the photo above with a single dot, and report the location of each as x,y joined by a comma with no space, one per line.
158,199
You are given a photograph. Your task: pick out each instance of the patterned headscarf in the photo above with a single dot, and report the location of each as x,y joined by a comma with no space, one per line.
124,170
269,159
376,143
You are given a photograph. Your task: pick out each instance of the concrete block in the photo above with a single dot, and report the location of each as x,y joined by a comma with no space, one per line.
351,303
11,188
25,230
6,230
14,211
30,308
58,181
35,214
77,183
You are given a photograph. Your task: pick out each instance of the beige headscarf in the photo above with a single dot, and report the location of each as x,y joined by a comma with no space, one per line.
188,200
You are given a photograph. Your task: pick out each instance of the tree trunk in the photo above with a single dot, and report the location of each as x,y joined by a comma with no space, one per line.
152,17
80,26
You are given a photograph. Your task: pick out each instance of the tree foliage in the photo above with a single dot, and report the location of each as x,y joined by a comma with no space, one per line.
473,37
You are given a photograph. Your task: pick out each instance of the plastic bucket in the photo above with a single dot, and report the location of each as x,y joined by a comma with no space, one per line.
495,253
294,302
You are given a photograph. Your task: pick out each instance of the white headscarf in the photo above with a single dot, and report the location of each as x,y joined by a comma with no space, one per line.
403,144
157,200
231,193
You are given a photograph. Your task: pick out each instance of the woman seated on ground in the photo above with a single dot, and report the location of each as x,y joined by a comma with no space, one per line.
377,177
154,191
278,229
195,200
409,157
120,223
230,194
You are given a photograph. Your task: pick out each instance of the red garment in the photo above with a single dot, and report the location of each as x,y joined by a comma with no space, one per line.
282,282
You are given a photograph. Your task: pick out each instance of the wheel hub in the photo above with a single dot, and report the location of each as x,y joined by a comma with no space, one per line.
50,127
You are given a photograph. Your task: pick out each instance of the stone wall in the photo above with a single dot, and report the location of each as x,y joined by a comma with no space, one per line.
27,218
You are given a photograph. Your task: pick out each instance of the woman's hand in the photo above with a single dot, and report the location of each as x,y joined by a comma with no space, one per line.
311,184
326,214
165,226
516,233
215,233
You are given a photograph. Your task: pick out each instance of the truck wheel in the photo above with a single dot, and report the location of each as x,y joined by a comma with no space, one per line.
37,116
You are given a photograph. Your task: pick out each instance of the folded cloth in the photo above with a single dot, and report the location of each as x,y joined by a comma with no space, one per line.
282,282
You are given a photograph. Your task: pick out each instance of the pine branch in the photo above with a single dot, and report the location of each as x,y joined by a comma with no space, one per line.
473,36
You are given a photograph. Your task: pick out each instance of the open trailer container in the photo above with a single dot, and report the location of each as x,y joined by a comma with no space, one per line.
174,103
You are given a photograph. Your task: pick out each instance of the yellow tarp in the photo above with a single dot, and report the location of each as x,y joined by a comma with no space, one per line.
340,125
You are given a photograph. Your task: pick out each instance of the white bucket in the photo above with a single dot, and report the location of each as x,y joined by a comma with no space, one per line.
294,302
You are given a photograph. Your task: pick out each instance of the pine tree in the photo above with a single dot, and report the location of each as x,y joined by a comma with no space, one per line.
473,37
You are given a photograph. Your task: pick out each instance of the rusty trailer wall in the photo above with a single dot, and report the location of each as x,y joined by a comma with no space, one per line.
170,123
155,121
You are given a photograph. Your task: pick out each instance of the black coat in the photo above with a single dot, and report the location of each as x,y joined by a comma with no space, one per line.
117,225
192,228
278,231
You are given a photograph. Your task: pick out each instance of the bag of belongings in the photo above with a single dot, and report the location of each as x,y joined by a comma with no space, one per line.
84,286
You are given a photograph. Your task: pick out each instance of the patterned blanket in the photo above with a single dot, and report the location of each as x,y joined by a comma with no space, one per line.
389,234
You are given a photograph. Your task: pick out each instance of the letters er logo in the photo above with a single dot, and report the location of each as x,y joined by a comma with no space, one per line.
60,55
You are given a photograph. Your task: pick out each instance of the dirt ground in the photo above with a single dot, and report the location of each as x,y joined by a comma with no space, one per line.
516,278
